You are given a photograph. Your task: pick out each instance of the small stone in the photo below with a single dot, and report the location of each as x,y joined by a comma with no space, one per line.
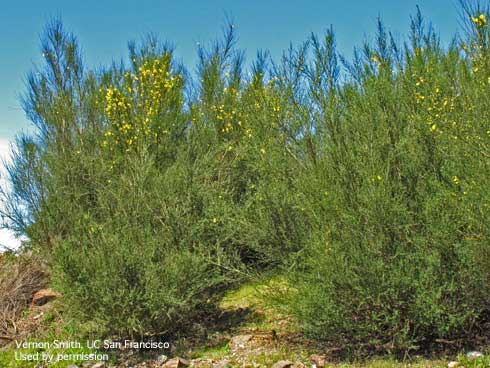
453,364
72,366
318,360
162,359
176,363
283,364
99,365
474,355
37,316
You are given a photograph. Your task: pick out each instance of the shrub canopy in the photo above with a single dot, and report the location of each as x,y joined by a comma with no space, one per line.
150,191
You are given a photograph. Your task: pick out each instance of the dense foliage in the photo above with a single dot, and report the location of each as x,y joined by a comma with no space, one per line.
149,192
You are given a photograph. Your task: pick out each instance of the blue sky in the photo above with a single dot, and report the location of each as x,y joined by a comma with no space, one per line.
105,26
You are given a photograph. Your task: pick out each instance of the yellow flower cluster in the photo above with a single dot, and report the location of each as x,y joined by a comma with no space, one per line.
117,105
227,117
154,82
239,113
134,106
376,179
376,60
434,103
480,20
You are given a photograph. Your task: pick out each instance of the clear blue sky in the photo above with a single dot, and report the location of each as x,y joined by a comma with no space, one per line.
105,26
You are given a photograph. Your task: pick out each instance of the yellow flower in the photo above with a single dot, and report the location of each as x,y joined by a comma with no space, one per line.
455,180
262,150
480,21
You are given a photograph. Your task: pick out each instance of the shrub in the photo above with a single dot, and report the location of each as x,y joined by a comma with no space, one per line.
397,258
147,201
150,193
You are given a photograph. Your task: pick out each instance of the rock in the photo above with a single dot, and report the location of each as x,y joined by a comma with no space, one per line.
44,296
299,365
162,359
453,364
283,364
176,363
318,360
474,355
99,365
72,366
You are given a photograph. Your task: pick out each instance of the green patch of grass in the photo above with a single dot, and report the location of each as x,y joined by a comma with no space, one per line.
258,296
211,352
474,363
246,296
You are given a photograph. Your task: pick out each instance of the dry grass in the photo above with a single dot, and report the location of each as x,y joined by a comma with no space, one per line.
20,277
